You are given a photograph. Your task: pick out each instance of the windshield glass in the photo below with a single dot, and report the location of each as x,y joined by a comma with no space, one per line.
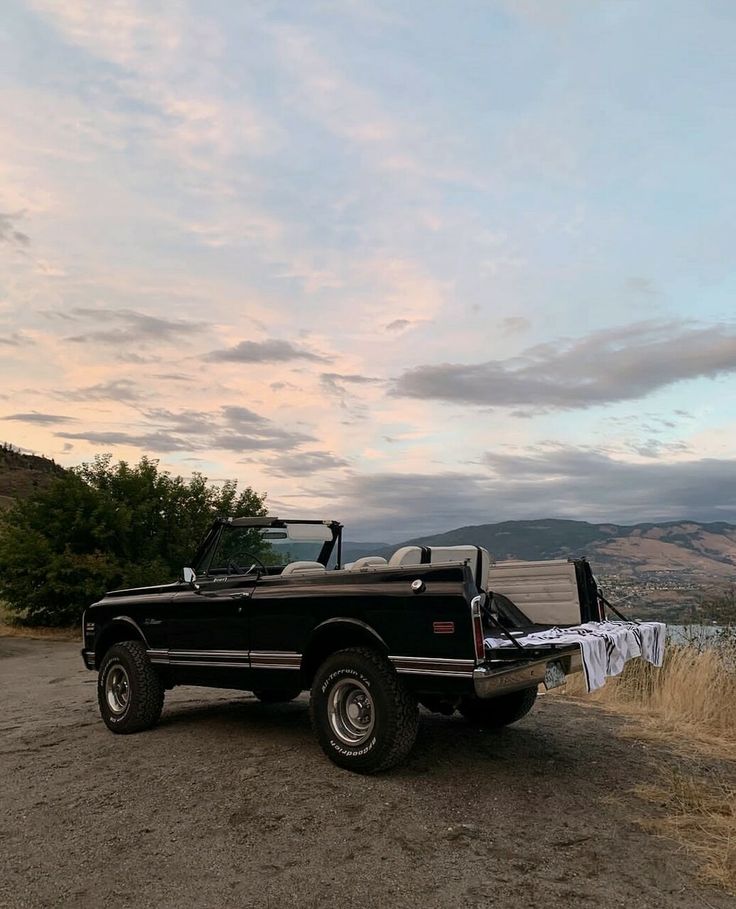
239,548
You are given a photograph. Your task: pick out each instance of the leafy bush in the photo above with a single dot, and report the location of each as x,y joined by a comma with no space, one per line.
102,526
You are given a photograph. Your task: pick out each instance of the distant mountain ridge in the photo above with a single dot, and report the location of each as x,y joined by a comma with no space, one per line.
699,552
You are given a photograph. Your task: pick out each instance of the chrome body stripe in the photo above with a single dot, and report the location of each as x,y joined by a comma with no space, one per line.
275,659
238,659
214,664
213,654
433,666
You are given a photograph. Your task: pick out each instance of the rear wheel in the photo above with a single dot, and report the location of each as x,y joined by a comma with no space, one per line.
277,695
494,713
129,692
364,717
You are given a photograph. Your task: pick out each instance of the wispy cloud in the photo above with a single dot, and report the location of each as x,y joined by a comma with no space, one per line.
42,419
335,382
114,390
9,232
271,350
513,325
128,327
15,339
605,366
232,428
304,463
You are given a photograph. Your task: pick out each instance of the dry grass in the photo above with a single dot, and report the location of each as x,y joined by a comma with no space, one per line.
693,695
700,813
10,628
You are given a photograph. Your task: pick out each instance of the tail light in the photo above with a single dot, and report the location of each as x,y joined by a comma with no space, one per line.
478,633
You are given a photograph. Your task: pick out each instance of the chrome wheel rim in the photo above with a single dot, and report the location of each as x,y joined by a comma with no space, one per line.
351,713
117,690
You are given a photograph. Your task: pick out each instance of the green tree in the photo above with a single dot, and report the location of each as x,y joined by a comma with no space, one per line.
102,526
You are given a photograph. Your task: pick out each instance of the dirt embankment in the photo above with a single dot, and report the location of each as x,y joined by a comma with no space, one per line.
230,803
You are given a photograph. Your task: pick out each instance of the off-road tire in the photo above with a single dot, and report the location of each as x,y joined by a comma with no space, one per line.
394,710
277,695
146,692
494,713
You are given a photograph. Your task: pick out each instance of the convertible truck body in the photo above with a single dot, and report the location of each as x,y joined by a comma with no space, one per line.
269,608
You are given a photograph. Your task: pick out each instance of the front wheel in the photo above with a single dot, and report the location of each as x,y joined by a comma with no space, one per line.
494,713
364,717
129,692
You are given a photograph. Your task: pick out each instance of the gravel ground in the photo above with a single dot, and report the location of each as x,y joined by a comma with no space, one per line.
231,803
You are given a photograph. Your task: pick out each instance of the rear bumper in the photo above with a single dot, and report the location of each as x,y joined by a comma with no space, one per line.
496,677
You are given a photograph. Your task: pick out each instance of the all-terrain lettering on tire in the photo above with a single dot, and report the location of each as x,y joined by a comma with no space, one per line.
129,692
364,717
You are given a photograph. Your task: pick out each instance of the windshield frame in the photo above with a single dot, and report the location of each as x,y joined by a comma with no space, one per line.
206,551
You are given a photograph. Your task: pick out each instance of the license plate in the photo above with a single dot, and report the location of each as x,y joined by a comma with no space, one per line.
554,675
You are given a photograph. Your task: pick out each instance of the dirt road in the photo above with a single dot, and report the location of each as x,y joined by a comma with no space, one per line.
230,803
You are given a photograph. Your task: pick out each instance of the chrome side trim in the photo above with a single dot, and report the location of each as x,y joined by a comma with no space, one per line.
158,656
214,664
275,659
433,666
225,658
214,654
239,659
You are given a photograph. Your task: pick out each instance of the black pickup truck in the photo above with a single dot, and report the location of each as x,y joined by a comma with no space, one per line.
268,607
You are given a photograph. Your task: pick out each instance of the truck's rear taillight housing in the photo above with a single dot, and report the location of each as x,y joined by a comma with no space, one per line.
478,633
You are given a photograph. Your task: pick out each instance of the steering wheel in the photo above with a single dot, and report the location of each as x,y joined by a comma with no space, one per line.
234,568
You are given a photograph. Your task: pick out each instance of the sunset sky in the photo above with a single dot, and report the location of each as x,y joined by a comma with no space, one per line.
409,265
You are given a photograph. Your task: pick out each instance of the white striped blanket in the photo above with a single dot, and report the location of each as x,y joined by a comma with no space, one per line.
605,647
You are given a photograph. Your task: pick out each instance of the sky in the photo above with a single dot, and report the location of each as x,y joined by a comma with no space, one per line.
407,265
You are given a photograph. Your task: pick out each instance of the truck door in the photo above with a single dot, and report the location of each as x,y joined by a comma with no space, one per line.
208,634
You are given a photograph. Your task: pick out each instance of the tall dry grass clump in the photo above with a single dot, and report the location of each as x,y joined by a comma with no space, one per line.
694,691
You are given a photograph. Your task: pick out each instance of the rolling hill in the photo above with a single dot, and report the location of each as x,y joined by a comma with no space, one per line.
21,474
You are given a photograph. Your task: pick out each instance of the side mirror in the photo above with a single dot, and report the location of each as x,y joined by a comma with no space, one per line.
189,577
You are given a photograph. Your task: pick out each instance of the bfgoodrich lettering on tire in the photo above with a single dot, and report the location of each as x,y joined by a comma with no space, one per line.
129,691
363,716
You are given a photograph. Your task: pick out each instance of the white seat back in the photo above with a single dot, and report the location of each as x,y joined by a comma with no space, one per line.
477,557
303,568
366,562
